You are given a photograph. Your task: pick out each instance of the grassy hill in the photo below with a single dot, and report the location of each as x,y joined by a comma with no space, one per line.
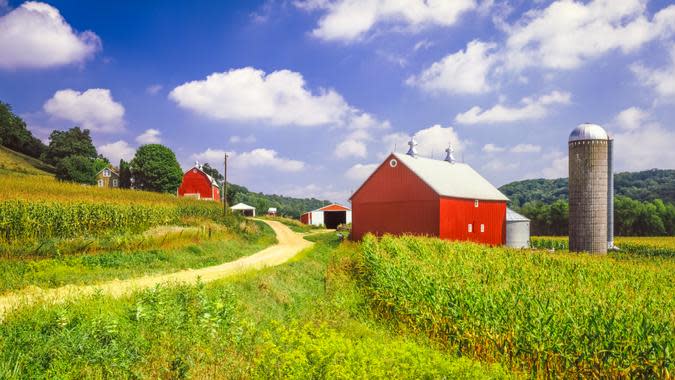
15,163
646,185
12,162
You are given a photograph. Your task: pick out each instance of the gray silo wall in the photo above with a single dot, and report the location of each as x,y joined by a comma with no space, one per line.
588,196
518,234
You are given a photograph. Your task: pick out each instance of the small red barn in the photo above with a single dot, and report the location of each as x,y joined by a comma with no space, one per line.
197,184
421,196
330,216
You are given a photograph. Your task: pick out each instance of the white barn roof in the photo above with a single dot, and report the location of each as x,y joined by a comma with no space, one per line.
242,206
455,180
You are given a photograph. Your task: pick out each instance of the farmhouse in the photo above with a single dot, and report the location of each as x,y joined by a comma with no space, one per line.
330,216
108,177
243,209
272,211
421,196
199,185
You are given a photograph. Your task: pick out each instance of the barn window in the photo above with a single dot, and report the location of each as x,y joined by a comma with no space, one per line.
115,183
393,163
482,228
100,183
470,227
475,203
106,173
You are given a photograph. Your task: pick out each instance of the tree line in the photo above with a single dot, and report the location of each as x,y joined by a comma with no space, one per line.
631,217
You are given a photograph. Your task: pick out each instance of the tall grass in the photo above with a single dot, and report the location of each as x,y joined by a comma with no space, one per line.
552,315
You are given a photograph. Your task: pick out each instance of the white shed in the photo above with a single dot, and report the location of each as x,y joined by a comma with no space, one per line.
243,209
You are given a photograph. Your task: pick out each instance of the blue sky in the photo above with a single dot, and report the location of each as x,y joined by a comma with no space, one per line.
308,96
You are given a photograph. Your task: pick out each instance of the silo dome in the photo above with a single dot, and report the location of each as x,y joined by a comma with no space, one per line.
588,131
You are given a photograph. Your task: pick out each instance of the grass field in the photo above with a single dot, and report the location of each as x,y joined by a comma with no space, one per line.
16,163
305,319
162,252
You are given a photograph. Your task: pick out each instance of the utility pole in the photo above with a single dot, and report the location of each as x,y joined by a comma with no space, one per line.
225,187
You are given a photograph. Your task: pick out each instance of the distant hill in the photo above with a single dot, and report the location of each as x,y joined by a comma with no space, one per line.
12,162
643,186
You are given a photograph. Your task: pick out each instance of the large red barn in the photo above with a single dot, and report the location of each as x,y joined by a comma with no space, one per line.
415,195
197,184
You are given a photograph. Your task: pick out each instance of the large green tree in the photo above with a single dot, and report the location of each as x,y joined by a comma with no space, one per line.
125,175
73,142
155,168
77,169
15,135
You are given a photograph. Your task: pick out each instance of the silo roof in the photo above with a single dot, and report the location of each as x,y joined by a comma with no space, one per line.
588,131
512,216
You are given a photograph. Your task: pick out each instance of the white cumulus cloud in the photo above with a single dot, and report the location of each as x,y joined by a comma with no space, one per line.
463,72
351,148
35,35
526,148
360,172
277,98
93,109
349,20
116,151
661,80
150,136
492,148
432,141
250,139
256,158
532,109
566,34
642,143
631,118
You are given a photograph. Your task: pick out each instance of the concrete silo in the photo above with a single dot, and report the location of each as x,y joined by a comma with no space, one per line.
589,189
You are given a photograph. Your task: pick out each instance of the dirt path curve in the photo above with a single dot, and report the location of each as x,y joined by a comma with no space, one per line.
290,244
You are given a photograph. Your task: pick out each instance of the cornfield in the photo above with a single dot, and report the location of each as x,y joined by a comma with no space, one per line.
663,246
549,314
34,209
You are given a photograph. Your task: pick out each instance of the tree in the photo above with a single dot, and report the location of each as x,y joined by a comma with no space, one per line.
14,133
125,175
213,172
76,169
73,142
155,168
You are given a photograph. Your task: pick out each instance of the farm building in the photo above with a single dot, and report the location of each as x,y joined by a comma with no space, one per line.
517,230
272,211
421,196
330,216
108,177
199,185
243,209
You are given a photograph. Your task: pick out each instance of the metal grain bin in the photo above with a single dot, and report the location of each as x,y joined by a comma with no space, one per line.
517,230
588,188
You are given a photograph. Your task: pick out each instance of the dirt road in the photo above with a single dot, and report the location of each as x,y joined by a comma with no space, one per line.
290,244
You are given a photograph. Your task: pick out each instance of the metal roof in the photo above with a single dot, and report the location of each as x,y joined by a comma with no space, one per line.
457,180
512,216
588,131
242,206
